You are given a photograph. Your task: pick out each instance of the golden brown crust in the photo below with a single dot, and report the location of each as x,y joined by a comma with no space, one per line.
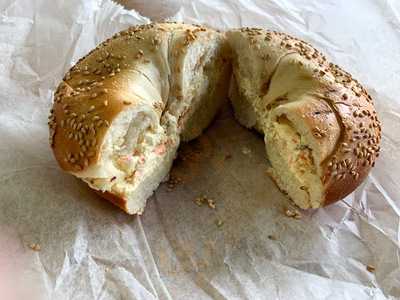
81,128
358,147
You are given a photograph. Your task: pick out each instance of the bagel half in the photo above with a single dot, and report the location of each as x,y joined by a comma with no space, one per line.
321,129
121,111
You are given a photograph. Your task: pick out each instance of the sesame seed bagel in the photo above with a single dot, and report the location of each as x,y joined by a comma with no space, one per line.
321,129
121,111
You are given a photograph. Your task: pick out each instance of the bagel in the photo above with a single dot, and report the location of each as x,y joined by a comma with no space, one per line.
120,113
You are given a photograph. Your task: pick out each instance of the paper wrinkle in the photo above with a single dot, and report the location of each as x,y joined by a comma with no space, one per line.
92,250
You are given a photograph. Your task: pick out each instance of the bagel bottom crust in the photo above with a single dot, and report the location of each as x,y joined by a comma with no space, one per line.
115,199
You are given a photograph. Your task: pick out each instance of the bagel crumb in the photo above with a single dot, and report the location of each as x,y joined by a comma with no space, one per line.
199,201
246,150
205,200
173,182
370,268
211,203
292,213
35,247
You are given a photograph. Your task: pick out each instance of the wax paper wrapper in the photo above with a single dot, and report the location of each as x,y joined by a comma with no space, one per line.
59,240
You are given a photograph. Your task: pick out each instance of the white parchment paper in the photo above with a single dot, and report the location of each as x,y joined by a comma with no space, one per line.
91,250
